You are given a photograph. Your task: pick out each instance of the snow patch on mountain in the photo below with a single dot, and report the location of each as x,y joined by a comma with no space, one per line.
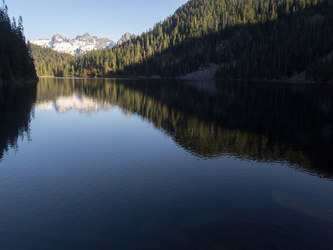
42,42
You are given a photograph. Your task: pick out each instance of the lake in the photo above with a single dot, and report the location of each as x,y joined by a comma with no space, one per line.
164,164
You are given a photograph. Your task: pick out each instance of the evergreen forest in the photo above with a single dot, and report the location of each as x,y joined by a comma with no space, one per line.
247,39
16,62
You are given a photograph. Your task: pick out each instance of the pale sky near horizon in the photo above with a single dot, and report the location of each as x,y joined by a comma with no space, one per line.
101,18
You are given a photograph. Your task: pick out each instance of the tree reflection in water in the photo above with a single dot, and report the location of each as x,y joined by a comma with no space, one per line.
16,111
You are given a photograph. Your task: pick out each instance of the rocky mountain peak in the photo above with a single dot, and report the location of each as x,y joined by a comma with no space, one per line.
57,37
125,37
83,37
87,38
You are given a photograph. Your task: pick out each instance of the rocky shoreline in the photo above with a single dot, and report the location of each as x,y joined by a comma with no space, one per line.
202,74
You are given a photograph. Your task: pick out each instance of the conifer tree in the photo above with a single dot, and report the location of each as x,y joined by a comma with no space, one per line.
16,63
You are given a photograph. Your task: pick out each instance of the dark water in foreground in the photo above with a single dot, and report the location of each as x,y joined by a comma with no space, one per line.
117,164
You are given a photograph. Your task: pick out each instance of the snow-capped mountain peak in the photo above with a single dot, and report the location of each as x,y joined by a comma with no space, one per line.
80,45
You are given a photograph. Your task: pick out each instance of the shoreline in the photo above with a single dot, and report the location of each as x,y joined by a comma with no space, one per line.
206,74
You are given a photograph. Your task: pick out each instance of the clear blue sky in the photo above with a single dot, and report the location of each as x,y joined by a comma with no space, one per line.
102,18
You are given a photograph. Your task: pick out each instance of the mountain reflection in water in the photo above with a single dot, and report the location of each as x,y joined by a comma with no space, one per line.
81,103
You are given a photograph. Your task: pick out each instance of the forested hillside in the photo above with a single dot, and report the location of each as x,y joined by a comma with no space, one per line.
248,39
16,63
51,63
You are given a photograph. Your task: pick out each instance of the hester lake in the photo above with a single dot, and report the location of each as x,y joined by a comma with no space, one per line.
165,164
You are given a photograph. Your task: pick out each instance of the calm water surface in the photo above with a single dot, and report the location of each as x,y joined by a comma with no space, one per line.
122,164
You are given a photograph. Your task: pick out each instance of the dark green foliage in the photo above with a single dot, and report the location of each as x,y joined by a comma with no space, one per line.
248,39
16,63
